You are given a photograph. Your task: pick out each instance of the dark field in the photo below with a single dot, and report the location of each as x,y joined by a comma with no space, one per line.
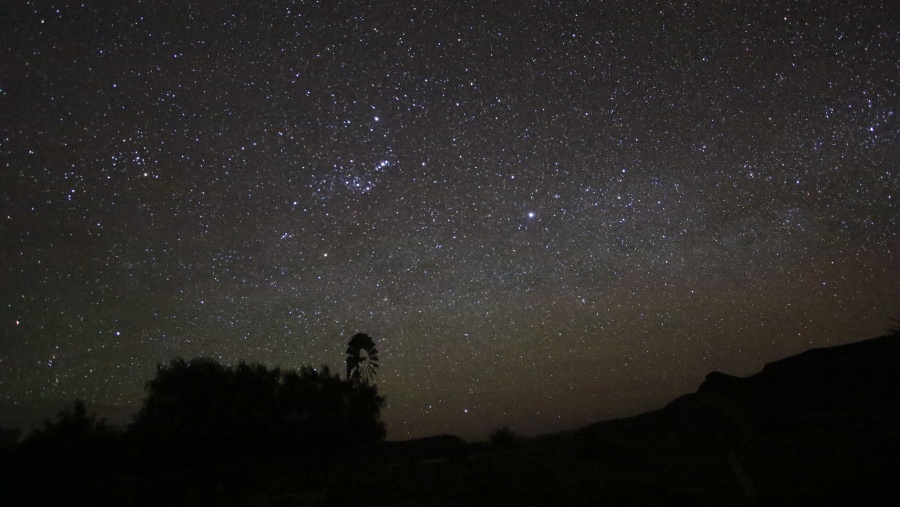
788,466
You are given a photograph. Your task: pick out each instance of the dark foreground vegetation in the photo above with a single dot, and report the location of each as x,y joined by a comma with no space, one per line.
819,428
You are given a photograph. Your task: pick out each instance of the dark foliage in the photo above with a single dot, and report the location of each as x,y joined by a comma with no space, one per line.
9,437
207,434
66,458
504,438
76,436
200,408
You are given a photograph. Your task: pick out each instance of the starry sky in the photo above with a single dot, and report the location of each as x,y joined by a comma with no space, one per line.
546,213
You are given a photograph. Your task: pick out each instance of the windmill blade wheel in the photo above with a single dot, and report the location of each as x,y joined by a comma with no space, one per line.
362,358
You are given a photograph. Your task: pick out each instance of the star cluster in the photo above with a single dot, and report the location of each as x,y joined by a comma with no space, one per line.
545,213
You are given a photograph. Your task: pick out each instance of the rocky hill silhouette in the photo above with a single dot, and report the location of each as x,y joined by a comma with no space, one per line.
822,426
846,384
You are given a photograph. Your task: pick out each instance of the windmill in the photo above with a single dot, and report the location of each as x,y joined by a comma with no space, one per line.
362,359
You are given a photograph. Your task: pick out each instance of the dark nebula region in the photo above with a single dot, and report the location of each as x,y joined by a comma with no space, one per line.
546,213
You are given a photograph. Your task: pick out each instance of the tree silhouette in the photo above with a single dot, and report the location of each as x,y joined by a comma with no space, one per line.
362,359
64,461
326,411
74,433
206,410
78,442
504,438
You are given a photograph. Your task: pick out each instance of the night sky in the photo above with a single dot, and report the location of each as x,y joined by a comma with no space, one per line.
546,213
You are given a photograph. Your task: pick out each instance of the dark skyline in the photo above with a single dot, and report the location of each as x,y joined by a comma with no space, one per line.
545,213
